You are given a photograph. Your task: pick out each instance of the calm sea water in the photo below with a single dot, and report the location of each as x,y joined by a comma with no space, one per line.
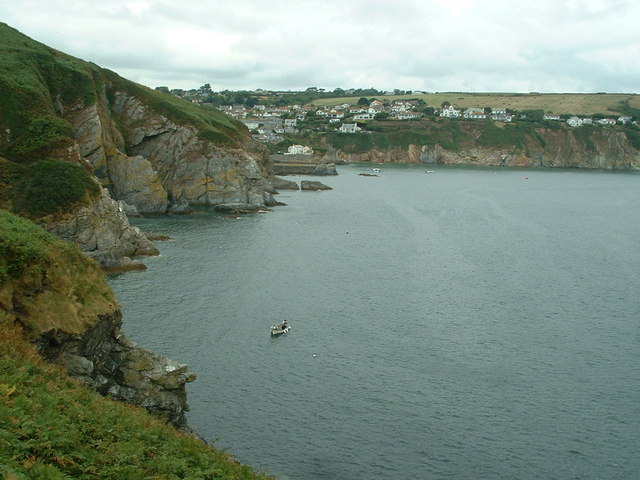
466,323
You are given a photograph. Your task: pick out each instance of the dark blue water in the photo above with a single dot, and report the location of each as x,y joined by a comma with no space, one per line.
467,323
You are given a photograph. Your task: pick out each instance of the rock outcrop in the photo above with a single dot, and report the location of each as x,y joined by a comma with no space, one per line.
106,360
103,232
66,307
312,185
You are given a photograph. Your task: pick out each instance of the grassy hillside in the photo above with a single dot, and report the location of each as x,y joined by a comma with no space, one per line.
37,85
35,80
53,428
50,426
559,103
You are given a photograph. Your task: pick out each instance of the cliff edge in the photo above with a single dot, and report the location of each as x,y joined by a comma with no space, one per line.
62,300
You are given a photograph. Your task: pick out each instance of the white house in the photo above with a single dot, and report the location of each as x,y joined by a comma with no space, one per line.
450,112
349,128
607,121
502,117
498,111
364,116
299,150
474,113
551,116
574,122
408,115
251,123
290,122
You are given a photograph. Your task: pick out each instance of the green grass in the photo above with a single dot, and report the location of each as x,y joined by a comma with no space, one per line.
54,428
213,125
514,135
46,187
22,245
394,135
560,103
37,85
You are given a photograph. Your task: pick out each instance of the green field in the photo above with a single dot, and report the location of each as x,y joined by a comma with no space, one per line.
559,103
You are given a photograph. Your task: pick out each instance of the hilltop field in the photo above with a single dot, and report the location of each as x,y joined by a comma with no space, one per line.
559,103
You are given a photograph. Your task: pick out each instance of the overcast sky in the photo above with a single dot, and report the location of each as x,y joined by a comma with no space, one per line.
430,45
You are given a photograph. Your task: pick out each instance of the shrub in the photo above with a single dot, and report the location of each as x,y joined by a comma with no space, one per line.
40,138
52,186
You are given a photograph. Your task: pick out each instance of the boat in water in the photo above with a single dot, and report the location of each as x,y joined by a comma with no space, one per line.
280,328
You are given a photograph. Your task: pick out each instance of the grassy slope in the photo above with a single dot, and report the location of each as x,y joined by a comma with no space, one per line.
50,426
33,76
559,103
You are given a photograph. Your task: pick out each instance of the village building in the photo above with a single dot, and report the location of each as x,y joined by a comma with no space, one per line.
408,115
574,122
299,150
349,128
364,116
450,112
474,113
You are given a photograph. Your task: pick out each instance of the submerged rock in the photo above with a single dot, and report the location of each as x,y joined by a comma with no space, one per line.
238,208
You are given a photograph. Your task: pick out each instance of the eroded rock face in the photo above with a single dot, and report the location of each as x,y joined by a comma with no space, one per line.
103,232
186,167
604,149
113,365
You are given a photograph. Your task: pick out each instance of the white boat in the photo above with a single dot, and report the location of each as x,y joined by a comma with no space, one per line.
280,328
376,170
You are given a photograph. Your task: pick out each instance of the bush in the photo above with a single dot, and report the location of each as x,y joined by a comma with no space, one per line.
40,138
22,244
52,186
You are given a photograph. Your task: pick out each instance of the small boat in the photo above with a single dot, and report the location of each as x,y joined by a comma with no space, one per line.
280,328
430,171
376,170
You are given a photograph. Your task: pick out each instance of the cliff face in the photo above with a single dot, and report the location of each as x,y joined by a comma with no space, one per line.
167,165
153,152
102,231
560,148
65,305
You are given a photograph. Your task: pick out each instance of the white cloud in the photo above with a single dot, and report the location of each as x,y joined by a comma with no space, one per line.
471,45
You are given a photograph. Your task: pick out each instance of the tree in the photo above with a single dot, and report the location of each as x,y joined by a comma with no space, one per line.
363,101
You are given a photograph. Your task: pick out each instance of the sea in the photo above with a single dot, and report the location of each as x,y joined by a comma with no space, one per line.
447,323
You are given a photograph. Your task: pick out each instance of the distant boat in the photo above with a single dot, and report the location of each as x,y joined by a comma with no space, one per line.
376,170
430,171
280,328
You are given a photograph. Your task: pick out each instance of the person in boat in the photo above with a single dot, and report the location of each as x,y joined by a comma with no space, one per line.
284,325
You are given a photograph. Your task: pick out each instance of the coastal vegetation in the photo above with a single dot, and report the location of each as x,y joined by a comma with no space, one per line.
51,426
560,103
38,86
56,428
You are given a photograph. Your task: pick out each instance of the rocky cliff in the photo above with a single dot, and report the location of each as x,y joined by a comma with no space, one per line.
168,165
65,305
152,152
600,148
